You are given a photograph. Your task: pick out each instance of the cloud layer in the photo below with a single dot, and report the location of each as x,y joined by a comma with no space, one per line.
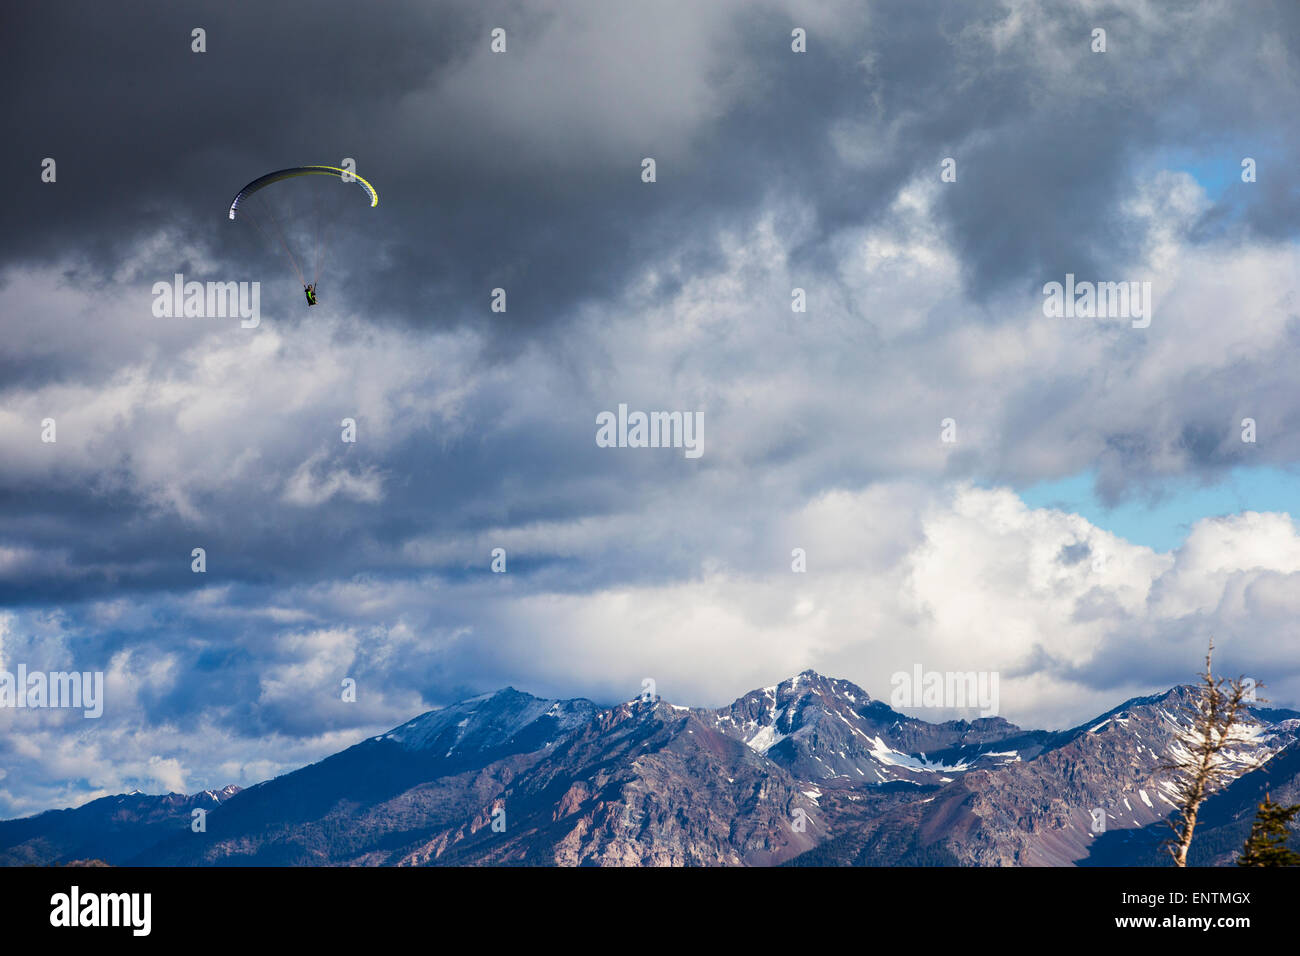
476,429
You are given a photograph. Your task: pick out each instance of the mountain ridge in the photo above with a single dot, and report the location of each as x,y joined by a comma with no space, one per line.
811,770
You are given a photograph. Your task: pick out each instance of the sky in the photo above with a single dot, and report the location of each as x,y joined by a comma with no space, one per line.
1096,521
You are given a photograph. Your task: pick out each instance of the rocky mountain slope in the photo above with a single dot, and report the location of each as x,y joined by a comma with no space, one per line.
111,828
1040,811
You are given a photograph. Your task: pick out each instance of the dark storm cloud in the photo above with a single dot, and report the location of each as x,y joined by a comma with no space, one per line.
149,134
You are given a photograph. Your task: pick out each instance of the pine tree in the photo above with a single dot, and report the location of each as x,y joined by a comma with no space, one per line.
1266,845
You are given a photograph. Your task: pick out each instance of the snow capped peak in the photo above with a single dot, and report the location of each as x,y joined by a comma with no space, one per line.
809,682
806,676
489,721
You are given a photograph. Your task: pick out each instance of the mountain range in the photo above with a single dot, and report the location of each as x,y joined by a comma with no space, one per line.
810,771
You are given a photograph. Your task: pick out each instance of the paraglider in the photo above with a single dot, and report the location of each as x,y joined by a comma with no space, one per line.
305,230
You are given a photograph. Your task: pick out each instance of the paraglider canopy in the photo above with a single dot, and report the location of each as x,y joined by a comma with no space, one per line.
301,219
263,181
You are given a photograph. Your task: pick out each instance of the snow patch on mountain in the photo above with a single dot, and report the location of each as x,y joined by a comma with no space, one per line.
893,758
